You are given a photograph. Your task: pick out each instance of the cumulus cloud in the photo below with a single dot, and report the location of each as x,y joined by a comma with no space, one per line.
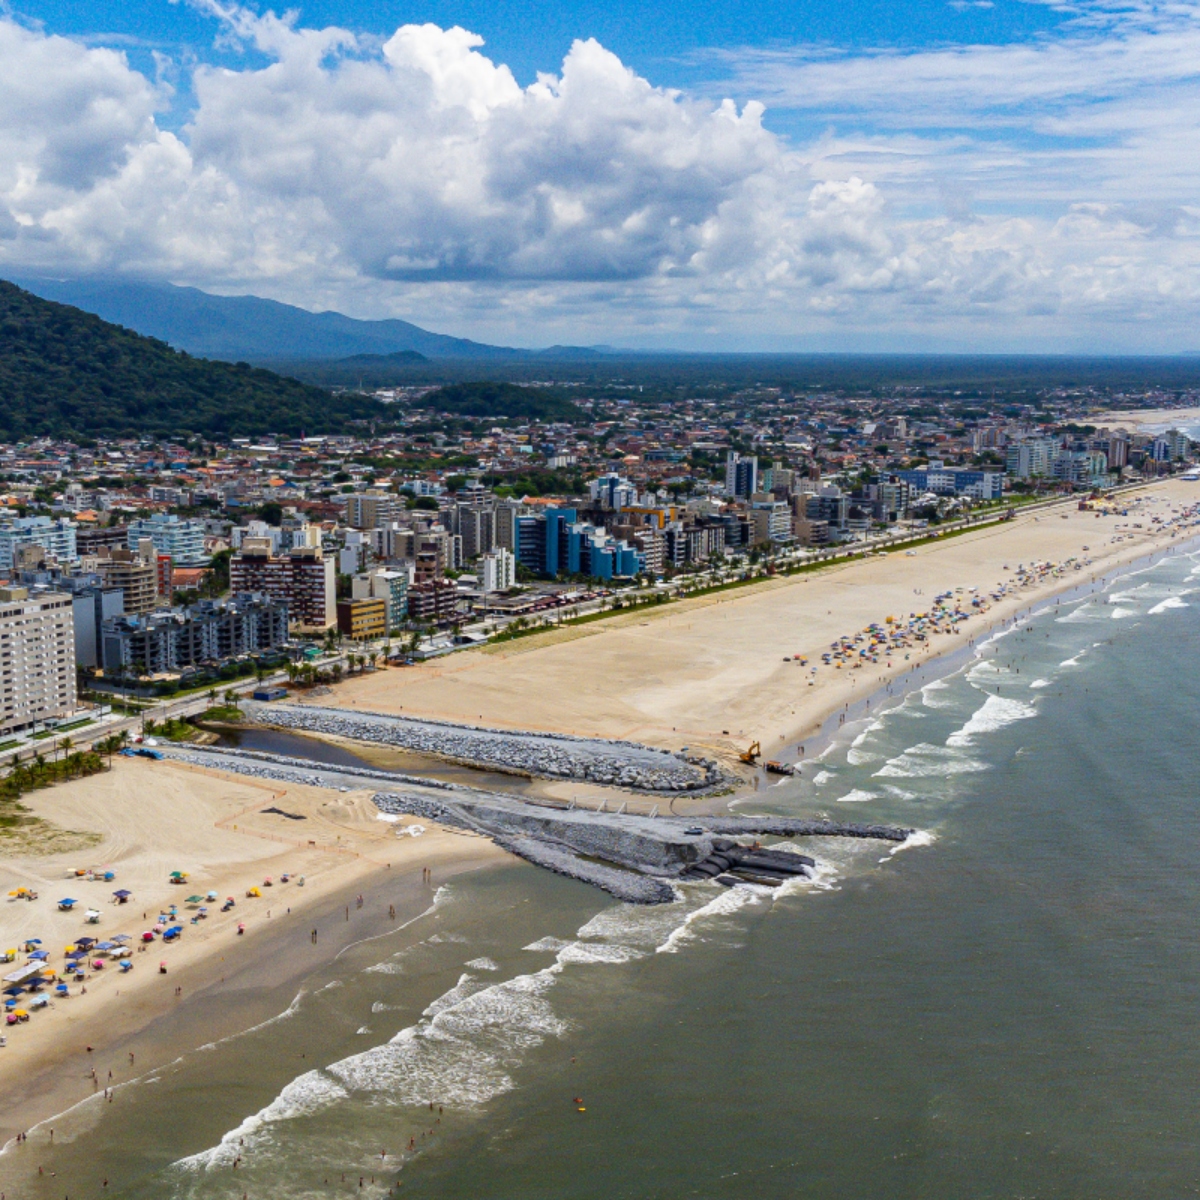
414,174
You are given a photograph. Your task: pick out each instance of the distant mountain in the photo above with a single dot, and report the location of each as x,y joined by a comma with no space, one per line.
248,327
380,360
64,372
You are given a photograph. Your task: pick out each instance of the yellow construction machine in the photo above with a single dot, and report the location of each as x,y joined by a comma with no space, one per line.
751,755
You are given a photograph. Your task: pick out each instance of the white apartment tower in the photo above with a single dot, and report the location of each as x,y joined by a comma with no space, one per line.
499,571
37,658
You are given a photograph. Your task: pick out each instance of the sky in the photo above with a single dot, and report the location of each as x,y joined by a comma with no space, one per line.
948,175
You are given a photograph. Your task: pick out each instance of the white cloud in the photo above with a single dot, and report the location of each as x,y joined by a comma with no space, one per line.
1026,195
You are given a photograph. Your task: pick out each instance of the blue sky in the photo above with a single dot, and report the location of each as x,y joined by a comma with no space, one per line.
978,174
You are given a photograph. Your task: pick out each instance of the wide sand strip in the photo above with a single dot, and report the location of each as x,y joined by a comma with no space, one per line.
159,817
709,672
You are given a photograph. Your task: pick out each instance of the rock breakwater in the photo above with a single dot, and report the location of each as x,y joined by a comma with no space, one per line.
622,764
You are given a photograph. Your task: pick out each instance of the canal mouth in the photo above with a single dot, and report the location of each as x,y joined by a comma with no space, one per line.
379,758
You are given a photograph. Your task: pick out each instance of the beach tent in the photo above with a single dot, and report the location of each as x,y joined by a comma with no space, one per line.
23,974
40,954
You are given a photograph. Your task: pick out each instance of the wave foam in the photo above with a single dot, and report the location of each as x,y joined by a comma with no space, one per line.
857,796
1167,604
548,945
928,761
729,901
996,713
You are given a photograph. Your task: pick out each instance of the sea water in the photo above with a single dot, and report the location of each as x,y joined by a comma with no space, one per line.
1006,1005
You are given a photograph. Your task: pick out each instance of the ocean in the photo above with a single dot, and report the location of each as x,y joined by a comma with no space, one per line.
1004,1006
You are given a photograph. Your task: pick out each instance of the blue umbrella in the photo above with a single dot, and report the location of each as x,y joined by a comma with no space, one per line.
39,954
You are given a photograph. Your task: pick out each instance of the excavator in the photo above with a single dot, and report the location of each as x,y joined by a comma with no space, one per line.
751,755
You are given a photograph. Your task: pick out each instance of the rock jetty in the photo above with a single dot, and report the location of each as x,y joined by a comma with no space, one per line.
622,764
638,859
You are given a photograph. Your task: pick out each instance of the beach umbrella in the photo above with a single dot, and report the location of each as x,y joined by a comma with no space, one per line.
75,955
122,894
85,941
120,937
40,955
67,903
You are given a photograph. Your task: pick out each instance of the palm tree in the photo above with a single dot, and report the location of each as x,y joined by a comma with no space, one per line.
212,695
231,697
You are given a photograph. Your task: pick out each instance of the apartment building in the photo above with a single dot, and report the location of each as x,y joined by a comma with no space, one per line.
498,571
89,540
741,475
372,510
182,539
389,586
37,658
364,617
57,537
302,578
137,572
210,632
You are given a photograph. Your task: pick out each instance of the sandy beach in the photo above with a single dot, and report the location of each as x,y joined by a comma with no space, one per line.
710,672
1148,419
157,817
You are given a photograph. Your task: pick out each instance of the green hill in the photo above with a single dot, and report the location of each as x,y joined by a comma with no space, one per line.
64,372
501,400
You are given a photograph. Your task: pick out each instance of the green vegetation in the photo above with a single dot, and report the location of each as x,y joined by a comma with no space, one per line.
221,712
534,482
489,399
66,373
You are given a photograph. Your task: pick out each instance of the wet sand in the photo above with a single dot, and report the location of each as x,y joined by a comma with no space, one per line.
154,814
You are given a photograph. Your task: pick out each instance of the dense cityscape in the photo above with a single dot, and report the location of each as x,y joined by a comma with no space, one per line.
190,561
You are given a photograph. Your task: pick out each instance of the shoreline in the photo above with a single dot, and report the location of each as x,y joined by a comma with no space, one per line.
955,659
230,983
688,674
159,1029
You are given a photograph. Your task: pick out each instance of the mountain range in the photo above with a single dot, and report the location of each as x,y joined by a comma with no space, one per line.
251,329
67,373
